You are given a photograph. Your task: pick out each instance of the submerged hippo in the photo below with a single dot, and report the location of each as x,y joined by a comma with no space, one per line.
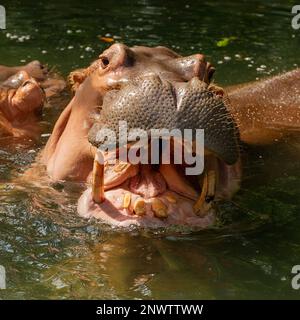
155,87
23,92
21,100
34,69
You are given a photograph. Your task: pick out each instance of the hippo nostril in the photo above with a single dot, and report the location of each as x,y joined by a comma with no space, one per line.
26,83
104,62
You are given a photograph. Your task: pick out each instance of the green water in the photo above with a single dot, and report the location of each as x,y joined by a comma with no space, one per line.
49,252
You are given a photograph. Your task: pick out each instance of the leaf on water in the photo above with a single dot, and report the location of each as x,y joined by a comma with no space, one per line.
106,39
225,41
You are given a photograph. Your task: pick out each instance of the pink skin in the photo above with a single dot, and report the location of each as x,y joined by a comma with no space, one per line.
269,110
18,105
166,184
69,156
23,91
51,83
34,69
111,211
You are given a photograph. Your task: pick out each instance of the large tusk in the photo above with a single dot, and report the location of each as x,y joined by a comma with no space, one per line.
200,201
203,204
211,185
98,178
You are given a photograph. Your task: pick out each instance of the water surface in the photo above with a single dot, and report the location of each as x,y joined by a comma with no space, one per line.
49,252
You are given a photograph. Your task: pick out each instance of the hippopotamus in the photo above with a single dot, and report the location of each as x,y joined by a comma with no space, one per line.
156,87
23,92
34,69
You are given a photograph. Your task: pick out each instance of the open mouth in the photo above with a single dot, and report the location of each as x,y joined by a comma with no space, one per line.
154,196
165,193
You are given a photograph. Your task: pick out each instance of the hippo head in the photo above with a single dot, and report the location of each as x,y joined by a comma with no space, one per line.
21,96
154,88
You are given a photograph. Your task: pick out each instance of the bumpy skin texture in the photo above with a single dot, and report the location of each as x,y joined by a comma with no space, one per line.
152,103
175,96
68,154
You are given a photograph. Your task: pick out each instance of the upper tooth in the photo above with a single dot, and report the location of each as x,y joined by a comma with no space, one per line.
177,182
121,166
159,209
171,198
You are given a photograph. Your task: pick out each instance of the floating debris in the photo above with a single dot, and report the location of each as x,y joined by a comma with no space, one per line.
45,135
106,39
225,41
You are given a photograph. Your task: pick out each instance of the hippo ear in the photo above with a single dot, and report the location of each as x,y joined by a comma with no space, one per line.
202,108
193,66
75,78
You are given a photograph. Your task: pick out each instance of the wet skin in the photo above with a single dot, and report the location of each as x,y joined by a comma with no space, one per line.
34,69
23,92
21,100
147,195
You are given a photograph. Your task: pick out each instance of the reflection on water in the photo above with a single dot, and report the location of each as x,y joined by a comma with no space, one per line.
49,252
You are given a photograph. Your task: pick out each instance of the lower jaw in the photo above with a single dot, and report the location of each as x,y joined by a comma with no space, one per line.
179,211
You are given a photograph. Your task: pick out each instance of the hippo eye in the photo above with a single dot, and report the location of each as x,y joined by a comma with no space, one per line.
104,62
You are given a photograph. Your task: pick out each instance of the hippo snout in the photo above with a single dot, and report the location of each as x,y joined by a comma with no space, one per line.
151,102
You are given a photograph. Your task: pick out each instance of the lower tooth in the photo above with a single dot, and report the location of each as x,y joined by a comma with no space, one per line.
199,203
159,209
211,183
98,180
126,200
139,207
203,204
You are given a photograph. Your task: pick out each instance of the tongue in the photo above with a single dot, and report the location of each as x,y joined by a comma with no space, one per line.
148,183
